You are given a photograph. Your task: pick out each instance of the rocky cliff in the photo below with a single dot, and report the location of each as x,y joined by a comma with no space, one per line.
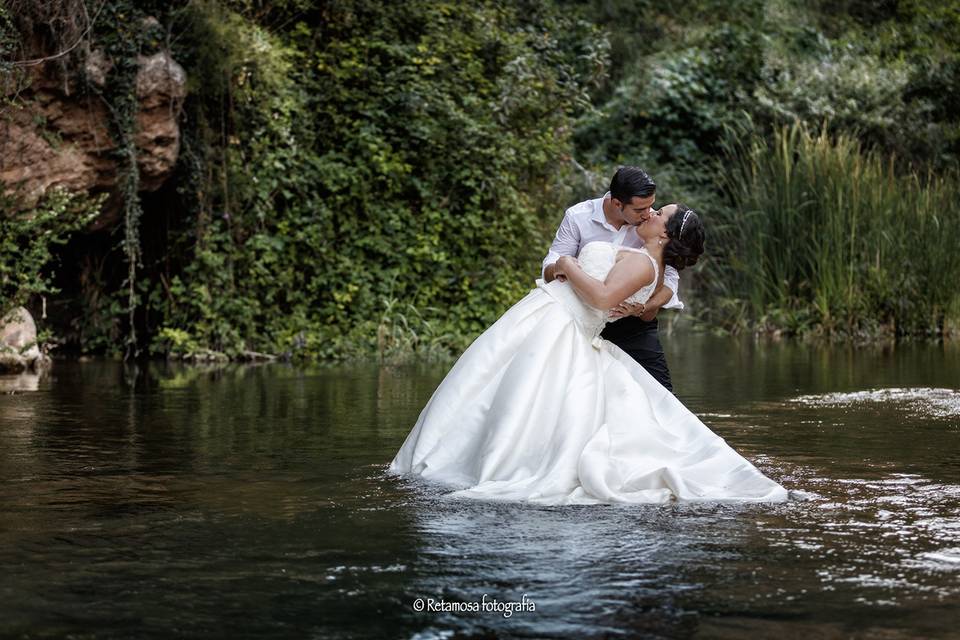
55,134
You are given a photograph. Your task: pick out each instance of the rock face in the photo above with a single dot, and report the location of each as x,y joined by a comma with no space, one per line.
161,88
18,343
56,135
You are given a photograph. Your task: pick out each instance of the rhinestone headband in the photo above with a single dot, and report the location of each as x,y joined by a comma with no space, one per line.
683,222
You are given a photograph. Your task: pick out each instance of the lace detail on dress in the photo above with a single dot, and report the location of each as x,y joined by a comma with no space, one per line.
644,293
597,259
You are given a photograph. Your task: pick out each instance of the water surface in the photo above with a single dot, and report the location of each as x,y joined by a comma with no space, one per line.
162,501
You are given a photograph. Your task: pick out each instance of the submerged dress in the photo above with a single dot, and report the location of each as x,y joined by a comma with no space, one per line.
540,409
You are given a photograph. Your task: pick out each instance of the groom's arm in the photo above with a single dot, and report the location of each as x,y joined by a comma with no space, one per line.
565,243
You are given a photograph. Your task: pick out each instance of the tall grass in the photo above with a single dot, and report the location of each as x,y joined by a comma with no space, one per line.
827,237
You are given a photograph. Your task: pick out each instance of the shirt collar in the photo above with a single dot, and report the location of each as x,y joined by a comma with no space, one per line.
598,211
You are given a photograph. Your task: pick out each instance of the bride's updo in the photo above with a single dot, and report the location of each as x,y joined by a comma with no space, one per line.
685,231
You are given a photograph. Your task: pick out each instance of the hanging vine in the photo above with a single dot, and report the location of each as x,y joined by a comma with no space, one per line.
130,190
131,32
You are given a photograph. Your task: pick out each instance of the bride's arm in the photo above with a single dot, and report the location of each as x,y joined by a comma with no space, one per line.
628,275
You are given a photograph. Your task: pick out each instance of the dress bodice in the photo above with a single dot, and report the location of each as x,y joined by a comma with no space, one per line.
596,259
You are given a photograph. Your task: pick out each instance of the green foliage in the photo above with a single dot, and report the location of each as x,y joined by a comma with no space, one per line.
673,104
885,77
9,40
381,154
361,178
853,93
690,70
404,333
28,241
12,76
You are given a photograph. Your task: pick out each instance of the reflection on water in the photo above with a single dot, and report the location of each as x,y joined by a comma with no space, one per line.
253,502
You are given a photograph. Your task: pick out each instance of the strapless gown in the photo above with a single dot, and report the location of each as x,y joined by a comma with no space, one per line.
540,409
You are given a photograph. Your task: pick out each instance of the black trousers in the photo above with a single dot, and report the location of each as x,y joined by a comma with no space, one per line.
641,341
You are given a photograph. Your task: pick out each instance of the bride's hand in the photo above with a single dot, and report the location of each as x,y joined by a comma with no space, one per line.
563,266
627,309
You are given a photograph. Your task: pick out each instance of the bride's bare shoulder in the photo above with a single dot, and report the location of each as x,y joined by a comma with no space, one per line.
623,252
639,262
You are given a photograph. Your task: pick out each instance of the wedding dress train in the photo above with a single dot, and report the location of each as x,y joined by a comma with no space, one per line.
540,409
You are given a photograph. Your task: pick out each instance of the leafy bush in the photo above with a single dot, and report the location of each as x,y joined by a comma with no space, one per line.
361,177
28,241
856,94
379,153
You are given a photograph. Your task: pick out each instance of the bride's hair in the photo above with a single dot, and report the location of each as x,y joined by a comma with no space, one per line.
686,238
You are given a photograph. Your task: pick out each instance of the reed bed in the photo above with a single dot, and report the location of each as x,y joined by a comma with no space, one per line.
826,237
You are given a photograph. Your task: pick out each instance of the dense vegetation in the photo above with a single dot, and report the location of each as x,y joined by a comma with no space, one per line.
361,177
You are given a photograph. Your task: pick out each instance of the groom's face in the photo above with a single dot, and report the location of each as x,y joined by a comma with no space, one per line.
638,210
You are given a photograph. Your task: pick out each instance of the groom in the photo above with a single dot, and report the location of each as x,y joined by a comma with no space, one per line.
629,202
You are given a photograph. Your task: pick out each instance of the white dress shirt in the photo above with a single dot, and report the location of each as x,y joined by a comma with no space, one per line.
583,223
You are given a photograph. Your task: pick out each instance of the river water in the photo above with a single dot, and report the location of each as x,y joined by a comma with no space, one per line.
251,502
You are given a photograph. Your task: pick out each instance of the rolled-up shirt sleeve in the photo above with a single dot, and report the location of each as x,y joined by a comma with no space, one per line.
565,243
671,279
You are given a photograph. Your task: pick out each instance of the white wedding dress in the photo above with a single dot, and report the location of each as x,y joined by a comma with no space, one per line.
541,409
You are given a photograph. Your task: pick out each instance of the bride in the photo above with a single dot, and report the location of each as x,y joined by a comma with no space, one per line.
540,409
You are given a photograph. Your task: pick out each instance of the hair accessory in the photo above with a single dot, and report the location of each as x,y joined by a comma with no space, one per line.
683,222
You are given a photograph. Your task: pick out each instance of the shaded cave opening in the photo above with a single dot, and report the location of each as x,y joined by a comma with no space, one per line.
88,313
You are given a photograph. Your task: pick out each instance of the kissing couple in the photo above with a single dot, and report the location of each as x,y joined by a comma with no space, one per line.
566,398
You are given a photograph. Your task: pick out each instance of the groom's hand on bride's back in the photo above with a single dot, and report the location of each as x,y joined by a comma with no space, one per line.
625,309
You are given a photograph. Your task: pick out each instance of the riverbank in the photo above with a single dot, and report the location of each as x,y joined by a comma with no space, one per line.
360,181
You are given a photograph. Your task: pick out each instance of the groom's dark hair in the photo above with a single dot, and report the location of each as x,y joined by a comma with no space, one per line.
631,182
